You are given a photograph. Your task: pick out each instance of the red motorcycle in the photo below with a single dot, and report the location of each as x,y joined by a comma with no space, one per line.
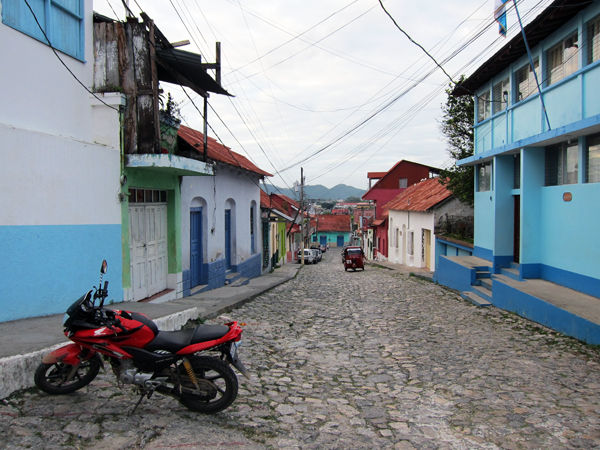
168,362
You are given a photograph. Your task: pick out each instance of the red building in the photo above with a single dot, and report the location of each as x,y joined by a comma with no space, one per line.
386,188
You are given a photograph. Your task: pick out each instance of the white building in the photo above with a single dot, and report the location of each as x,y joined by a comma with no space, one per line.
412,218
60,214
220,217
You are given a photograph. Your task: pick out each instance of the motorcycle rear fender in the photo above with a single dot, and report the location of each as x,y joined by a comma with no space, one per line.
69,354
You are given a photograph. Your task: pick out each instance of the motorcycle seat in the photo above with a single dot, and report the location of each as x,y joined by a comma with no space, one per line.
173,341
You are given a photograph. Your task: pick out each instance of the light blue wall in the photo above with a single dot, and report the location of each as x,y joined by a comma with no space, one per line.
532,180
570,229
51,266
332,237
563,99
484,223
563,102
504,208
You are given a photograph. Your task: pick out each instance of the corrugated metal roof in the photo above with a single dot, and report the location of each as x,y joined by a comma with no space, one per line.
189,65
217,151
420,197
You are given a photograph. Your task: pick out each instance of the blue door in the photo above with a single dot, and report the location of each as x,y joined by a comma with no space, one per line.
195,246
227,239
340,241
323,240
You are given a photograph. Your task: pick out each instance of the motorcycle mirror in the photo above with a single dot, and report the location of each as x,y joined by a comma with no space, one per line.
104,267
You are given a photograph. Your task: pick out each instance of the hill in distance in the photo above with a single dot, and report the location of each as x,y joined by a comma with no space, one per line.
320,192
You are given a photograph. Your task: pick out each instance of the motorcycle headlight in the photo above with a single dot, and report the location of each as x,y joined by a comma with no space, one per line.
65,318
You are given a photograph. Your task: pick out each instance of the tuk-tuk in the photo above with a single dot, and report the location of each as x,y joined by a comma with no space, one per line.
354,258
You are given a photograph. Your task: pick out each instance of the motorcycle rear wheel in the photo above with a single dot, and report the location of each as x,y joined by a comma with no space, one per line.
217,381
52,378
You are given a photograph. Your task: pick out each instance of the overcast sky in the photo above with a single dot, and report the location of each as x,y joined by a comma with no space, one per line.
329,76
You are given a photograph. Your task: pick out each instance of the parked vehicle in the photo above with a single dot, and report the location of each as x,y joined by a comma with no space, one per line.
309,257
172,363
353,258
323,248
317,253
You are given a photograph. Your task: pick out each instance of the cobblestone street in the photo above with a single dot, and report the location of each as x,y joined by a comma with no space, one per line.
353,360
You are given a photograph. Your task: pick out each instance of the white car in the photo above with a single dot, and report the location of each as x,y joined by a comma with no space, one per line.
309,257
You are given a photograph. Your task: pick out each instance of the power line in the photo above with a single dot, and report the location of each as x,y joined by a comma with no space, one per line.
62,62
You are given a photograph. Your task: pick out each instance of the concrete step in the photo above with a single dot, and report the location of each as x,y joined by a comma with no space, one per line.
231,277
199,289
475,299
240,282
485,283
511,273
514,265
483,274
482,292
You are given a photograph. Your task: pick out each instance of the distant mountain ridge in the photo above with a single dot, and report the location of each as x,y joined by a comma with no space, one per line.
320,192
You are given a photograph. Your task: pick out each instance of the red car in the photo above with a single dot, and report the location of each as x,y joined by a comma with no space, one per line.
353,258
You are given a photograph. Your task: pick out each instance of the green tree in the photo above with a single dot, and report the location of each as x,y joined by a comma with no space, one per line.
353,199
457,126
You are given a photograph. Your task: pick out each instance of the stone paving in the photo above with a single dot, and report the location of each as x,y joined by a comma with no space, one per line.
353,360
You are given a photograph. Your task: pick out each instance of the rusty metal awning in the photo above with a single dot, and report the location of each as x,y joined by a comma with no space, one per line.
190,66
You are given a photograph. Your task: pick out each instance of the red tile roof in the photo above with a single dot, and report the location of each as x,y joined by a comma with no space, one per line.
330,222
291,201
217,151
277,202
420,197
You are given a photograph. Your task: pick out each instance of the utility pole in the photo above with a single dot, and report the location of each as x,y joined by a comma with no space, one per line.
302,211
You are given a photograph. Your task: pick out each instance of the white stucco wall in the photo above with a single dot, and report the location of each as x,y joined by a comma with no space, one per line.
230,188
410,220
59,178
37,91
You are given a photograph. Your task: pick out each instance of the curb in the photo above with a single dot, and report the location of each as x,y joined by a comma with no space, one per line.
16,372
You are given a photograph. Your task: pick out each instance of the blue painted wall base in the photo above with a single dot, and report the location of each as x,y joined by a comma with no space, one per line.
533,308
213,274
45,268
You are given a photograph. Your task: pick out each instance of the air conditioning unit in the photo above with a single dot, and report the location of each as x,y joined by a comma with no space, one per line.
410,242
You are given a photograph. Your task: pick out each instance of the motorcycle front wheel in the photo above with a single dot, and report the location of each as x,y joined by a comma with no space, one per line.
218,385
54,378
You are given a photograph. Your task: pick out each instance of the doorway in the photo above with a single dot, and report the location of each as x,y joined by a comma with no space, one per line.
196,250
227,239
517,229
148,249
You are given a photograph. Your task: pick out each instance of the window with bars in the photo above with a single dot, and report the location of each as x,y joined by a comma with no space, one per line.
592,159
60,20
403,183
500,95
484,177
483,106
562,164
147,196
562,59
525,80
593,38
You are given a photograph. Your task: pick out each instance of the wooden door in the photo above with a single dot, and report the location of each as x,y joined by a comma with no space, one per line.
137,251
517,229
148,249
196,247
427,249
227,239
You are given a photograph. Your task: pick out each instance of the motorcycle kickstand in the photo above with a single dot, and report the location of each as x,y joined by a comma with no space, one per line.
137,404
144,392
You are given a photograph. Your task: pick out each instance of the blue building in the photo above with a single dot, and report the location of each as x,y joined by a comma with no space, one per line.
537,168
